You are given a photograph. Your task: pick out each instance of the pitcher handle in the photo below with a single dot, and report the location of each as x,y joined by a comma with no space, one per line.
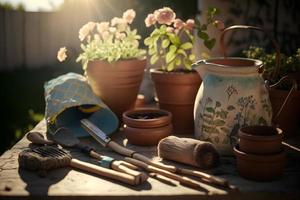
275,44
289,95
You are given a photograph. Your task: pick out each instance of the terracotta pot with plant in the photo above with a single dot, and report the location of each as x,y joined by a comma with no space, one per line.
112,60
170,46
287,76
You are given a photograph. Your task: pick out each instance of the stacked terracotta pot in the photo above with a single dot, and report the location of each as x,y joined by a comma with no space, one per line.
260,155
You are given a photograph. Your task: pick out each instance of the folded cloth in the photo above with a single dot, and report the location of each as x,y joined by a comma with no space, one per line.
69,98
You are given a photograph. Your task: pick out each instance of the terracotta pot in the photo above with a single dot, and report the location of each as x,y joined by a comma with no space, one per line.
288,120
260,167
176,92
260,139
117,84
147,126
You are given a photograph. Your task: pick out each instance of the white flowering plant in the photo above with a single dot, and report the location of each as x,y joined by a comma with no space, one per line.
172,40
110,41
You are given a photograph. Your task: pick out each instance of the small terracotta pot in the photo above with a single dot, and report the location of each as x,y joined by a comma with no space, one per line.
260,139
260,167
147,126
117,83
176,92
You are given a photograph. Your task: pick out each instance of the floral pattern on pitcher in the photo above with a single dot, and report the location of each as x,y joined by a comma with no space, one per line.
218,117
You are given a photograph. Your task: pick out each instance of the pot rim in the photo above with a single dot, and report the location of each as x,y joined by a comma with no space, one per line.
242,134
147,123
263,158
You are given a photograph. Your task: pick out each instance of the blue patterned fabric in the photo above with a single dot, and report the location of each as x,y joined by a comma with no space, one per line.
65,93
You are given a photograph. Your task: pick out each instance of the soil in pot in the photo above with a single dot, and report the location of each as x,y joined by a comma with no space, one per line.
176,92
260,139
117,84
147,127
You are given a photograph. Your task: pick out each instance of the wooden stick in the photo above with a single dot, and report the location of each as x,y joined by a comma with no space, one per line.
182,179
108,173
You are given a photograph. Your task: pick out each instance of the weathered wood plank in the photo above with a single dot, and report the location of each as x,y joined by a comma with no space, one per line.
17,183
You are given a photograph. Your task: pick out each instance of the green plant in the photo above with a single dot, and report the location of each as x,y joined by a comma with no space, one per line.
288,64
172,40
110,41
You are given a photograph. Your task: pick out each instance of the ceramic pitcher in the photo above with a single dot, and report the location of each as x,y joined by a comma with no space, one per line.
232,95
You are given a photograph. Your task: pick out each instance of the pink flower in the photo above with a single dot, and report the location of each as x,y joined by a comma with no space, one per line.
105,35
129,15
190,23
103,26
85,30
170,29
150,20
165,15
117,20
178,24
120,36
219,24
61,54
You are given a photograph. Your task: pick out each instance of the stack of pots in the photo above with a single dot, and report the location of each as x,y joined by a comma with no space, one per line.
260,154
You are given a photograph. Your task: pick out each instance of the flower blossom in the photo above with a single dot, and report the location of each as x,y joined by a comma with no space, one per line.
178,24
85,30
219,24
129,15
150,20
105,35
190,23
103,26
165,15
117,20
170,29
61,54
120,36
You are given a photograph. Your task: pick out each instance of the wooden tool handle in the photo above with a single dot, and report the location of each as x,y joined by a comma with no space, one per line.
156,164
182,179
95,155
206,177
120,149
108,173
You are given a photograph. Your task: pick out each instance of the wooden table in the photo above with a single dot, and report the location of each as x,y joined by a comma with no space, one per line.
67,183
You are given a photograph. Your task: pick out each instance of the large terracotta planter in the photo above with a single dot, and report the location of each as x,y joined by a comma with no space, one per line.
176,92
288,119
117,84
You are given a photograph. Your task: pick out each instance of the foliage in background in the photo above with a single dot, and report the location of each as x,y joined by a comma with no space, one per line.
280,17
172,40
288,64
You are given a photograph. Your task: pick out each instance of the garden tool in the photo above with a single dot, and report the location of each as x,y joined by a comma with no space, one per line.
104,140
51,157
65,138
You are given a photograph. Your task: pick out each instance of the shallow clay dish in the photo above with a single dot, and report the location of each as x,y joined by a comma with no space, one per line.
260,167
260,139
147,126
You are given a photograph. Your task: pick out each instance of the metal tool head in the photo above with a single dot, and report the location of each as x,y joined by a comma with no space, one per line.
95,132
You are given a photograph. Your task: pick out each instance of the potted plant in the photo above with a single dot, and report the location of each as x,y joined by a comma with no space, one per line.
112,60
170,46
288,119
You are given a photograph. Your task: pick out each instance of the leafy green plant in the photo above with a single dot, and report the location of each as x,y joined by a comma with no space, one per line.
288,64
110,41
172,39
